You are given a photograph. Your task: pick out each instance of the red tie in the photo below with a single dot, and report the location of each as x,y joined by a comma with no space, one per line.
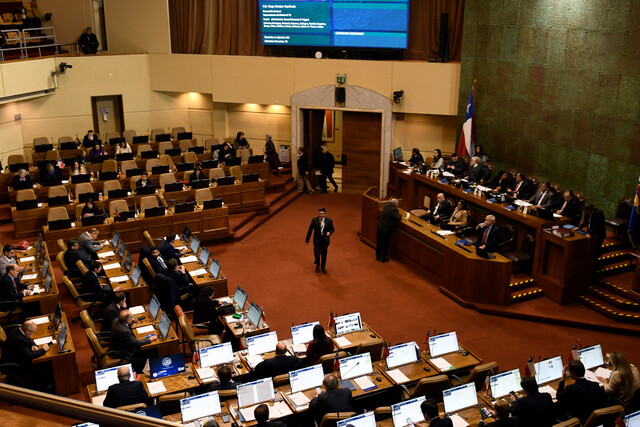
484,236
15,285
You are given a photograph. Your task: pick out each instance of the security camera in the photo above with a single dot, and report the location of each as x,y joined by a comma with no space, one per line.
64,66
397,96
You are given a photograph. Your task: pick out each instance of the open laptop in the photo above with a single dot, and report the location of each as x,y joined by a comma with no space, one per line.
128,262
185,207
240,298
302,334
214,268
218,354
143,191
632,420
83,177
548,370
503,384
108,377
154,307
186,234
254,314
545,214
201,406
263,343
164,325
591,357
250,177
443,344
194,245
258,158
150,411
408,412
203,256
200,183
306,378
458,398
166,365
59,224
255,392
225,180
355,366
93,220
135,275
367,419
403,354
348,323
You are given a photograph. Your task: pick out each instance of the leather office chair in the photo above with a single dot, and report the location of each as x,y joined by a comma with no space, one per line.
164,146
187,174
557,191
110,135
573,422
13,37
83,187
534,183
374,347
620,223
51,156
57,191
167,178
185,144
133,407
244,154
106,359
150,269
150,240
56,213
170,403
236,171
227,394
109,165
166,160
27,194
507,238
521,259
119,204
147,202
150,164
62,264
492,170
77,297
82,267
128,135
203,194
382,413
113,184
103,337
190,157
176,130
40,140
328,360
65,139
479,374
62,244
15,158
280,380
331,419
78,210
133,180
126,165
196,343
142,148
604,416
216,173
229,139
431,387
209,142
156,131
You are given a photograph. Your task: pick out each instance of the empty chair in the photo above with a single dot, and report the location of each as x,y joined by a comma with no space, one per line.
128,135
431,387
142,148
185,144
175,131
111,135
210,142
164,146
51,156
331,419
426,203
41,140
147,202
110,185
15,159
190,157
65,139
106,359
521,259
478,374
244,154
78,298
13,37
604,416
236,171
156,131
62,244
167,178
88,323
203,194
27,194
78,211
196,343
57,191
216,173
119,204
109,165
507,238
621,221
382,413
166,160
57,213
151,163
83,187
374,347
127,165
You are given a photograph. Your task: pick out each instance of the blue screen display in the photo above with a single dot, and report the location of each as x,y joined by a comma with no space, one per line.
166,365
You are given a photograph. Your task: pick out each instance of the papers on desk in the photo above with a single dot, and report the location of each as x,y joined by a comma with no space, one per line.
603,372
198,272
448,174
521,203
407,171
99,399
225,300
43,340
111,266
556,216
458,421
118,279
548,389
179,248
206,374
279,410
483,188
29,276
231,319
27,259
441,364
342,342
299,399
156,387
106,254
40,320
444,232
364,383
188,259
299,348
397,376
145,329
37,290
253,360
138,309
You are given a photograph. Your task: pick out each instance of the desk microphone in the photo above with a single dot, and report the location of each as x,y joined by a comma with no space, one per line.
345,374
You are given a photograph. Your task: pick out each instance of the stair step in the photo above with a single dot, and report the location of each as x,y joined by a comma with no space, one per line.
255,221
514,286
613,299
615,246
247,218
525,294
616,268
613,257
626,293
608,310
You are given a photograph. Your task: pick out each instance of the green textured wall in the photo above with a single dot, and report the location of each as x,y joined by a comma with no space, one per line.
558,90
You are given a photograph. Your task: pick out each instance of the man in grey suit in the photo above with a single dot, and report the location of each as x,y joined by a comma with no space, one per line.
89,245
543,196
8,257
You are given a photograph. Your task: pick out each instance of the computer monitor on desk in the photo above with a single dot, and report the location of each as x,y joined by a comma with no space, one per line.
47,283
194,245
122,248
355,366
397,154
128,262
302,334
214,268
348,323
200,406
458,398
548,370
407,412
632,420
263,343
115,239
504,383
240,298
186,234
218,354
403,354
135,275
108,377
306,378
367,419
154,307
203,257
164,325
591,357
254,314
255,392
57,317
45,268
39,243
443,344
62,338
166,365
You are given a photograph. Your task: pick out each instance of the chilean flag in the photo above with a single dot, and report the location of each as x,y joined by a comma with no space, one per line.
464,146
634,220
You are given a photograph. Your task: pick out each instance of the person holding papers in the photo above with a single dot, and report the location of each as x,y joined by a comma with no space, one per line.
333,399
429,409
167,251
624,379
278,365
8,257
20,349
91,285
224,381
205,311
582,397
124,342
488,237
261,414
71,257
11,290
113,310
319,346
502,416
535,409
322,228
125,392
442,210
386,224
89,245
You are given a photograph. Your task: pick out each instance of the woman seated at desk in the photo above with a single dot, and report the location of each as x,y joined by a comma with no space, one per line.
78,169
90,209
144,180
197,175
438,161
22,176
123,148
52,172
96,151
319,346
459,218
416,158
624,379
240,141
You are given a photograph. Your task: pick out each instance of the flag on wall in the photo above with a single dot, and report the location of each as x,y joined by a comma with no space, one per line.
465,147
634,221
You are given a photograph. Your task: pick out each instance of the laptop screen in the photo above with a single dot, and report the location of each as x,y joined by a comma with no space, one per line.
194,245
214,268
166,365
407,412
62,336
204,256
200,406
154,306
458,398
122,248
254,314
367,419
443,344
355,366
591,357
348,323
39,243
402,354
504,383
47,283
302,334
632,420
306,378
186,233
135,275
255,392
115,239
240,298
263,343
57,317
216,355
45,267
108,377
164,325
548,370
128,260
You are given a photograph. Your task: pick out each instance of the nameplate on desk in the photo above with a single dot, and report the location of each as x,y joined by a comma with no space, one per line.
111,266
138,309
43,340
198,272
106,254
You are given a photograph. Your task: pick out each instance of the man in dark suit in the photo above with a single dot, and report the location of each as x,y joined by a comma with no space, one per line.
442,210
322,228
333,399
429,410
167,251
278,365
582,397
502,416
386,225
124,342
327,162
568,206
478,172
488,237
89,246
261,414
303,171
535,409
543,196
157,262
71,257
594,221
224,381
89,42
126,392
91,285
179,275
456,165
144,180
522,189
113,310
90,139
11,289
20,349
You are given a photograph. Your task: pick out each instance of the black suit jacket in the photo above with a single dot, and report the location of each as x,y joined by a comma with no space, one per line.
193,177
524,192
595,224
167,292
71,257
327,162
126,393
17,349
183,280
534,410
124,342
388,218
572,210
8,290
338,400
146,183
458,167
277,366
155,264
581,398
303,164
479,174
111,313
91,285
445,210
206,311
320,239
231,385
493,239
441,422
167,251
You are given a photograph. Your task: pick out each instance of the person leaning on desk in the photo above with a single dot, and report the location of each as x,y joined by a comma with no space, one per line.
535,409
144,180
21,350
582,397
278,365
11,290
88,245
8,257
624,380
124,342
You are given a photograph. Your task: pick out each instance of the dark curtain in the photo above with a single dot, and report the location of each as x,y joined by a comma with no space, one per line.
190,22
424,28
238,28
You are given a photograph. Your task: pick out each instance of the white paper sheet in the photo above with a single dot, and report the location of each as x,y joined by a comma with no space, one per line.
29,276
40,320
603,372
118,279
364,382
458,421
299,399
398,376
99,399
188,259
444,232
179,248
145,329
548,389
27,259
138,309
253,360
299,348
206,374
279,410
43,340
111,266
156,387
441,364
247,413
198,272
106,254
342,342
225,300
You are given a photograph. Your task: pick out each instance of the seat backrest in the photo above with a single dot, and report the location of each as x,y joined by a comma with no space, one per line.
557,190
126,165
185,144
56,213
133,180
65,139
164,146
147,202
166,159
57,191
167,178
186,175
41,140
573,422
142,148
178,311
119,204
15,158
203,194
507,237
27,194
432,387
190,157
187,331
150,269
51,156
331,419
280,380
94,343
128,135
216,173
113,184
62,244
156,131
175,131
210,142
374,347
109,135
79,208
604,416
87,321
83,187
328,360
70,287
244,154
382,413
624,208
61,263
528,244
83,268
109,165
227,394
150,164
534,182
491,169
480,372
236,171
148,238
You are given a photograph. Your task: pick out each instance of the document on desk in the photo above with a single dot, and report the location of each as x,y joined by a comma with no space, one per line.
247,413
279,410
156,387
118,279
397,376
342,342
441,364
179,248
188,259
106,254
253,360
299,348
548,389
206,374
40,320
365,383
99,399
29,276
198,272
43,340
231,319
444,232
458,421
299,399
111,266
145,329
27,259
225,300
603,372
138,309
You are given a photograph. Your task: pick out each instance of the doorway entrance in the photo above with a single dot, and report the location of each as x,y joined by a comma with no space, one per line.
108,115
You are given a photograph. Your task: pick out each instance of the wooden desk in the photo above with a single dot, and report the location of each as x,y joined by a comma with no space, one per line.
364,336
238,369
138,295
470,415
247,329
414,371
47,301
384,384
65,369
170,345
459,362
285,390
174,383
233,408
177,418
